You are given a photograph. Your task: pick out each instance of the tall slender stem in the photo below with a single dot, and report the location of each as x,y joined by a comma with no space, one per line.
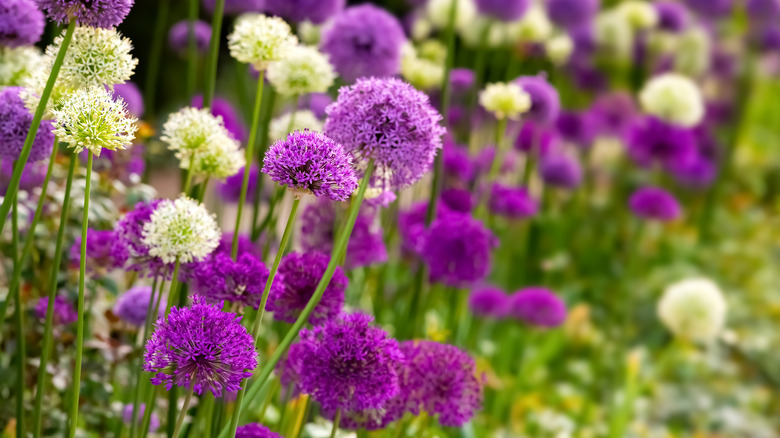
155,53
337,419
174,287
495,167
74,407
13,185
182,414
40,389
20,347
192,48
211,63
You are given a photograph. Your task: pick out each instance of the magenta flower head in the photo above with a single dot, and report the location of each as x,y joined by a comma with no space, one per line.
763,11
128,239
93,13
654,204
349,365
613,114
64,312
15,121
461,80
301,273
296,11
577,127
131,307
489,302
561,170
512,202
21,23
672,15
711,8
230,190
220,278
179,37
101,254
653,141
127,416
504,10
457,249
33,175
572,13
390,122
131,95
457,163
309,162
255,430
545,102
536,137
200,348
538,307
289,369
364,40
458,200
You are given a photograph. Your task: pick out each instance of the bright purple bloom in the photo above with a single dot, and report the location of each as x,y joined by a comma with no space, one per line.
457,249
255,430
672,15
711,8
364,41
457,163
489,302
33,175
577,127
316,11
200,348
512,202
132,306
101,254
310,162
289,370
15,122
230,117
317,103
390,122
505,10
245,245
461,80
300,275
128,239
348,364
220,278
235,7
127,416
698,172
130,93
93,13
545,102
484,160
179,37
763,11
572,13
230,190
652,140
64,312
769,38
537,306
655,204
561,170
21,23
458,200
536,137
588,77
613,113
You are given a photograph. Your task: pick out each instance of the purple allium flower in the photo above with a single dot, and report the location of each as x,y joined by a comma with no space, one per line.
316,11
613,113
698,172
101,254
93,13
560,170
309,162
458,200
179,37
230,117
768,39
15,122
128,239
505,10
127,416
412,228
21,23
33,175
655,204
577,127
545,102
489,302
652,140
511,202
255,430
572,13
245,245
457,249
235,7
300,275
763,11
132,306
390,122
220,278
461,80
349,365
364,41
537,306
289,370
202,348
537,137
457,163
672,15
64,312
230,190
484,160
130,93
317,103
711,8
587,76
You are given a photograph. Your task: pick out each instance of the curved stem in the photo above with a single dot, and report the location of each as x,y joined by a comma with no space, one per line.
337,419
20,347
174,287
182,414
211,64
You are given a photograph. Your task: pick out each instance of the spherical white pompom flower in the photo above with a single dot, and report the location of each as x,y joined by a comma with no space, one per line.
693,309
534,26
301,71
505,100
181,230
221,159
673,98
259,40
91,118
422,72
559,48
95,56
438,13
303,119
17,64
190,132
639,14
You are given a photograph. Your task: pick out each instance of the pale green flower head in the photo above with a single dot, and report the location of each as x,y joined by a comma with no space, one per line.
303,119
674,98
534,26
559,48
221,159
303,70
181,230
614,35
191,130
18,64
260,40
91,118
95,57
641,15
505,100
438,13
692,56
422,73
693,309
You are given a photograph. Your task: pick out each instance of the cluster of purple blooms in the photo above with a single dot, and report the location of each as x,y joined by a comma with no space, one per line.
534,306
21,23
15,121
64,312
93,13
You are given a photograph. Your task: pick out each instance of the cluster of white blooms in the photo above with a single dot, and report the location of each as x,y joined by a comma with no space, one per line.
91,118
259,40
220,160
422,72
639,14
301,119
505,100
17,64
559,48
692,54
302,70
673,98
693,309
534,26
181,230
438,13
309,33
614,35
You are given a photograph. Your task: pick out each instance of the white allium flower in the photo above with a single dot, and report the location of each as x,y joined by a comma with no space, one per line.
421,29
692,54
221,159
95,56
534,26
303,70
422,73
639,14
304,119
614,35
693,309
192,131
259,40
438,12
505,100
91,118
559,48
18,64
181,230
309,33
674,98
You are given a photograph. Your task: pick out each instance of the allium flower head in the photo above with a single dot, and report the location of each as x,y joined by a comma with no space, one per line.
457,250
93,13
21,23
15,121
672,15
130,93
348,364
200,348
101,256
231,118
297,11
302,70
712,8
572,13
302,120
128,239
505,10
438,12
33,175
421,72
388,121
179,36
195,134
64,312
536,137
230,190
255,430
180,230
18,64
694,309
220,159
763,11
613,114
132,306
639,14
655,204
673,98
511,202
559,49
220,278
505,101
259,40
577,127
127,416
364,41
489,302
545,102
651,141
309,162
537,306
561,170
92,119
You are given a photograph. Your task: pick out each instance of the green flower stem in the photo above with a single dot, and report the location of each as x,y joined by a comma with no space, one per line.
148,408
74,406
174,287
269,216
263,300
337,419
338,249
495,166
294,112
13,185
250,155
211,63
265,118
479,67
182,414
192,49
188,178
202,189
155,55
20,347
52,287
